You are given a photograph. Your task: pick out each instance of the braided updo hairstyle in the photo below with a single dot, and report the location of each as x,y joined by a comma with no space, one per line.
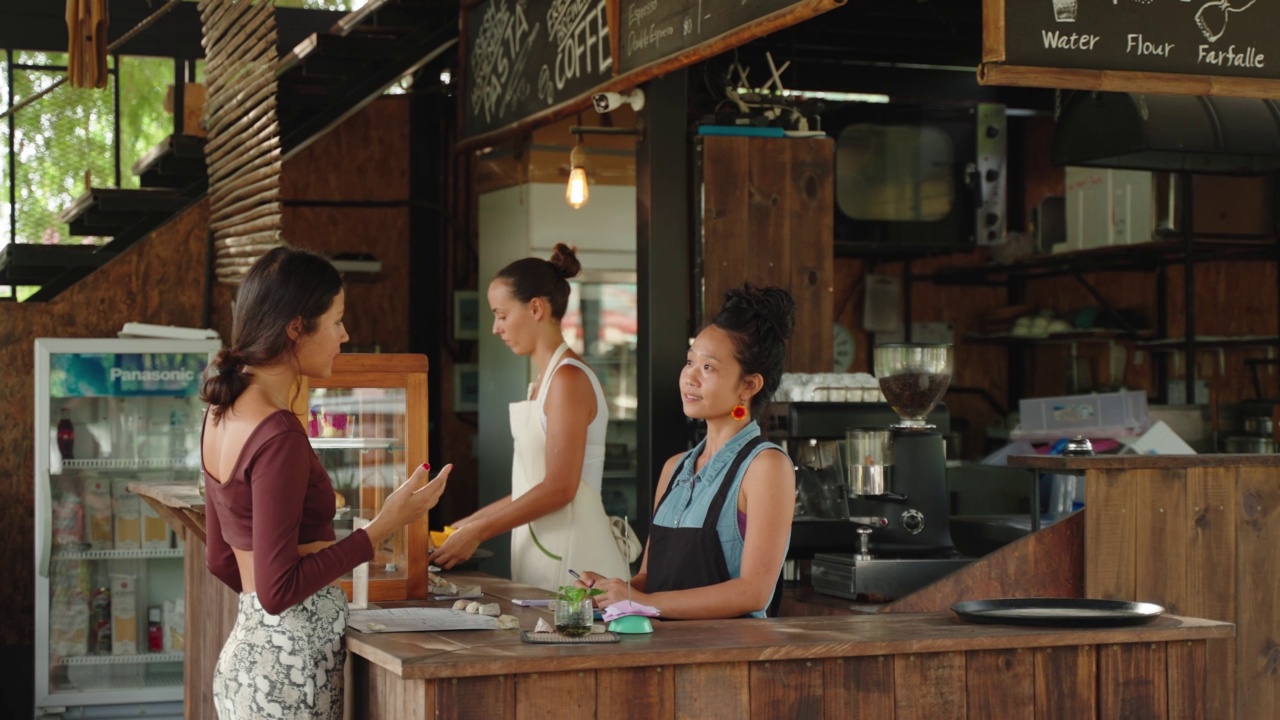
529,278
759,320
284,284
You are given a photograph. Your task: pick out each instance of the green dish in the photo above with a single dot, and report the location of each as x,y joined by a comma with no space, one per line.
631,625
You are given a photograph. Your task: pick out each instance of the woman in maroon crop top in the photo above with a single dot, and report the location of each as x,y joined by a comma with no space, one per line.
270,504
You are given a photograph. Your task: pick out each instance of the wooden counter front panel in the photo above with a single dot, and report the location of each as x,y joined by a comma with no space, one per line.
1201,541
1151,681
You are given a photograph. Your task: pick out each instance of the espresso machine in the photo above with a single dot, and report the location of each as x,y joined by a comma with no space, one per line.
896,485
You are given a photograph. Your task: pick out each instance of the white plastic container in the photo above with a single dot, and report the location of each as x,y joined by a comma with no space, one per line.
1117,414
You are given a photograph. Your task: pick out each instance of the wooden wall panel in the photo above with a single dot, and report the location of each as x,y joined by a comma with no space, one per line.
1132,682
1160,534
929,686
379,691
638,693
376,307
718,690
787,689
810,227
1211,577
1258,566
556,696
366,158
1001,684
478,698
1110,550
725,223
1189,681
859,688
210,615
1066,683
767,220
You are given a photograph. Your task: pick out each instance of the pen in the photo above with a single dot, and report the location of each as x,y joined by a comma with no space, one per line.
579,578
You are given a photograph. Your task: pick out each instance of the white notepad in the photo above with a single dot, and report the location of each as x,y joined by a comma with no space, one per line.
418,619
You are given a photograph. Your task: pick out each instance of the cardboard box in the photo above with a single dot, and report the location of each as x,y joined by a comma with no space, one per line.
97,514
1108,207
124,615
127,508
156,534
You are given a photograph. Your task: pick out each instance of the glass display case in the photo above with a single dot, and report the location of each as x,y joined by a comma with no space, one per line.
368,425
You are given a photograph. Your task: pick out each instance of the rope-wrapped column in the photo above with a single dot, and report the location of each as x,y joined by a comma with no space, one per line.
242,151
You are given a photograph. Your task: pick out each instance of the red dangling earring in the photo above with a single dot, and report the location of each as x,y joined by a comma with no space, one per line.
739,412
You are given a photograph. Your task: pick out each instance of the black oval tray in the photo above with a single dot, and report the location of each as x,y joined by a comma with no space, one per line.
1057,612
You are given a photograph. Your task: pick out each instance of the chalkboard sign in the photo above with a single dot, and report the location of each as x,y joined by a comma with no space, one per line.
1239,38
653,30
524,57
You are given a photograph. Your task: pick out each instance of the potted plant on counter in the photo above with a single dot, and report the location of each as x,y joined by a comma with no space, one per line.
574,610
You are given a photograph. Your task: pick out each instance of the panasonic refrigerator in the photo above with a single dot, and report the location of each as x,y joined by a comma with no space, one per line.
109,572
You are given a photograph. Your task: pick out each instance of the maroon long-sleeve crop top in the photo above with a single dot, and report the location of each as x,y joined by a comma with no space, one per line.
277,498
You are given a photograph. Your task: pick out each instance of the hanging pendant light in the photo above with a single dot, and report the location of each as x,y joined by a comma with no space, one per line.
576,192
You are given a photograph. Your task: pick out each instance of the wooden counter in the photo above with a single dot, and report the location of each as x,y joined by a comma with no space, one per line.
900,666
1199,535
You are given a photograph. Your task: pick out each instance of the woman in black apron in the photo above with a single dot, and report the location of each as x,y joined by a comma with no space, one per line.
722,522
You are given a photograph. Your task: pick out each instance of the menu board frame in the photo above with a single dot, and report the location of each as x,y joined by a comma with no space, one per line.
1000,66
567,101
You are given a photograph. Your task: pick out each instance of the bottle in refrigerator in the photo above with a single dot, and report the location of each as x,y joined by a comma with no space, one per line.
177,437
100,620
155,631
66,436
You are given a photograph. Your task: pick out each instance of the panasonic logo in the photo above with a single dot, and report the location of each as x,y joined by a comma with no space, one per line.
182,376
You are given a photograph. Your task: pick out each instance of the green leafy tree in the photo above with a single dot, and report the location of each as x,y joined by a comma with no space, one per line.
69,133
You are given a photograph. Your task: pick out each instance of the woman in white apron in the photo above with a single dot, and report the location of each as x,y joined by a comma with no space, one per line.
554,513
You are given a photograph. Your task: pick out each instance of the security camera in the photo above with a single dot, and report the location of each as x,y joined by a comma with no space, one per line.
610,101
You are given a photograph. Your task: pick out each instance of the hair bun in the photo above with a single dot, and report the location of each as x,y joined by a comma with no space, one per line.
227,361
565,261
773,305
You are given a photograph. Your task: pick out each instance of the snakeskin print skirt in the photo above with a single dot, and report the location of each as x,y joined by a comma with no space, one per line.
284,666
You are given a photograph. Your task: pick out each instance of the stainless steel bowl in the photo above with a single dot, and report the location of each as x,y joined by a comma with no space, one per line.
1258,425
1250,444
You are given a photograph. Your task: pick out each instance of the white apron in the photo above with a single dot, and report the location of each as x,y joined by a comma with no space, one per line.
577,536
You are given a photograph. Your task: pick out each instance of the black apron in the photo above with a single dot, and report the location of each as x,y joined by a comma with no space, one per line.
683,558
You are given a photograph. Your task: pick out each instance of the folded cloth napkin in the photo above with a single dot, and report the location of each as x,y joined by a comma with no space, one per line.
627,607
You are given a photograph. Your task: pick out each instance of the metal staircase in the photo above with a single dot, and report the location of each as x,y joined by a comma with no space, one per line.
326,78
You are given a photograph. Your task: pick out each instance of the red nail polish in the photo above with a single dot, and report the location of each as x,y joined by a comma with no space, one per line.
426,467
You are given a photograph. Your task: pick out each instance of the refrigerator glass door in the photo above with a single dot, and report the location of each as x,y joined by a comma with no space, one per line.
600,324
109,585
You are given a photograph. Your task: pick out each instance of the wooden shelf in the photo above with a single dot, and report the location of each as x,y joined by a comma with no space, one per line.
1068,338
1127,258
1209,343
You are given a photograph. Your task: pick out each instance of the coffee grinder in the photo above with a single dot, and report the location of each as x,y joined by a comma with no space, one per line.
898,478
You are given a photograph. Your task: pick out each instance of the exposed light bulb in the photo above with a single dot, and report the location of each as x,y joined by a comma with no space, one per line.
577,192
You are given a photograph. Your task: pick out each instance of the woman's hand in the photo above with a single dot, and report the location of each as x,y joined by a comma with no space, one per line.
409,502
615,591
589,579
458,547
